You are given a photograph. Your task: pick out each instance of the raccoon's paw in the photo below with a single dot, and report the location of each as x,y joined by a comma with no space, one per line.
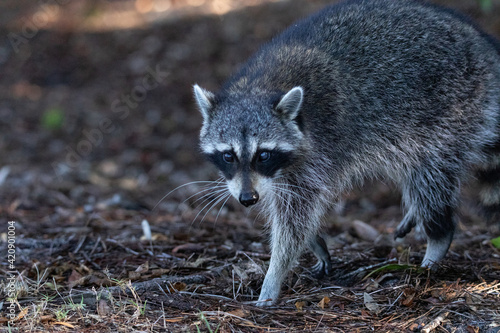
264,303
436,250
321,268
270,291
404,227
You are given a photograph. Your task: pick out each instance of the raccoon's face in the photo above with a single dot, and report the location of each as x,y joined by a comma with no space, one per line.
250,139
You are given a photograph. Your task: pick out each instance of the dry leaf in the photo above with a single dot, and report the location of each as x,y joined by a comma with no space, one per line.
46,318
100,279
103,308
432,300
239,313
188,247
409,296
473,299
176,286
300,305
324,302
159,272
21,314
472,329
75,279
143,268
371,304
174,320
64,324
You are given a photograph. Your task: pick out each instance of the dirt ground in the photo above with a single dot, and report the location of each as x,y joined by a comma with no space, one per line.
98,125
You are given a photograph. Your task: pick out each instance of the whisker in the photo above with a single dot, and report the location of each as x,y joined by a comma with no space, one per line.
222,197
208,196
210,202
293,193
220,209
207,189
286,201
181,186
291,185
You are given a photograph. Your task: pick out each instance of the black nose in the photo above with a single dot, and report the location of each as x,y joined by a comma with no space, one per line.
249,198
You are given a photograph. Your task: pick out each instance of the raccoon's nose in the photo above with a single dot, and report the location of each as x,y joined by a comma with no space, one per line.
249,198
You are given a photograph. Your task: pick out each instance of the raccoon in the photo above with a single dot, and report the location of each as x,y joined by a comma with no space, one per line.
397,90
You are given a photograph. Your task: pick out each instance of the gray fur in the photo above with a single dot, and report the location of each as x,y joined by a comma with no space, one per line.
396,90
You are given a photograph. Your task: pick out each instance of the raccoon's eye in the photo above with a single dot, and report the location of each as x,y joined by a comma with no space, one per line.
264,156
228,157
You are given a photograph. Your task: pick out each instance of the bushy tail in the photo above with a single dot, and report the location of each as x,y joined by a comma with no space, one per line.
489,182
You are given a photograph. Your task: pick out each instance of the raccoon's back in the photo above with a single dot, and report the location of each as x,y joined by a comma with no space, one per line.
372,68
376,42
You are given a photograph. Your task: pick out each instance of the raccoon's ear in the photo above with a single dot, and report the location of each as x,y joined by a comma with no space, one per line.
204,99
289,105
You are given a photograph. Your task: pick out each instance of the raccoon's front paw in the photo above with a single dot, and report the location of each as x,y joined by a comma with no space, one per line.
321,269
404,227
269,293
264,303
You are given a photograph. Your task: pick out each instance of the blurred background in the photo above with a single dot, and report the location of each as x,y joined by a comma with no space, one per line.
96,108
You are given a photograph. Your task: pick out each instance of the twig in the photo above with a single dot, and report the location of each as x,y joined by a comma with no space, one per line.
206,295
80,243
112,241
435,323
362,270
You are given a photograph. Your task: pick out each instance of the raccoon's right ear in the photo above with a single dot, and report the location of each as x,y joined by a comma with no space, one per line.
290,103
204,99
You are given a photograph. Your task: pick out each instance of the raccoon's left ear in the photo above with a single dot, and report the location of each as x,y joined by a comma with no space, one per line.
289,105
204,99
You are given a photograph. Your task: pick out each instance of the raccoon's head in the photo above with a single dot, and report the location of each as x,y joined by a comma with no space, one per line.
251,139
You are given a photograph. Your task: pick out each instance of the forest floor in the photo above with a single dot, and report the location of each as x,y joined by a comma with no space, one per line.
98,124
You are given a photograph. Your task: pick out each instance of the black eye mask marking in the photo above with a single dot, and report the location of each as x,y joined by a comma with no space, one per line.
268,162
265,162
226,161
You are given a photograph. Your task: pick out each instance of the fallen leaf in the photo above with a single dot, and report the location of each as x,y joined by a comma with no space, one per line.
143,268
159,272
432,300
472,329
371,304
174,320
64,324
300,305
188,247
324,302
75,279
239,313
176,286
103,308
46,318
21,314
409,296
100,279
473,299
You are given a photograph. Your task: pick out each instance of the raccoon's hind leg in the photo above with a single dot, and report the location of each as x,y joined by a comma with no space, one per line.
320,250
488,177
431,197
